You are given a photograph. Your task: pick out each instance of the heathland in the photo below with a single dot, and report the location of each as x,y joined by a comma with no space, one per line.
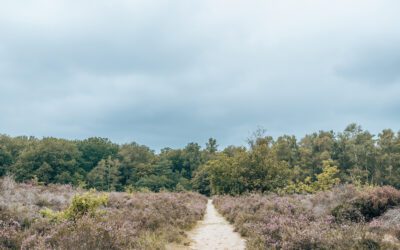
327,190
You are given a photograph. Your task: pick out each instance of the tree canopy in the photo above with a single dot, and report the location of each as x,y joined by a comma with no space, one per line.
322,158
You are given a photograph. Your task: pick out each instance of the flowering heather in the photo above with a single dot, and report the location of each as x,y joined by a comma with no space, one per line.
307,221
128,221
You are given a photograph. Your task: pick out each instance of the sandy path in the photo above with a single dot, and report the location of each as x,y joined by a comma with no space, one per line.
214,233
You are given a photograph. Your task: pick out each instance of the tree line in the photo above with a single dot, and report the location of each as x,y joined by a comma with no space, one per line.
266,164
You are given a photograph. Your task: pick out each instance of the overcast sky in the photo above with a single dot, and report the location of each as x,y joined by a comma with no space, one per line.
165,73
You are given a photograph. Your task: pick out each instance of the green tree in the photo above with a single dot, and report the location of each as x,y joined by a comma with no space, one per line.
10,150
263,171
201,181
313,150
192,159
225,175
286,149
159,176
136,161
387,170
323,181
106,175
356,154
44,173
61,155
327,179
95,149
5,160
212,146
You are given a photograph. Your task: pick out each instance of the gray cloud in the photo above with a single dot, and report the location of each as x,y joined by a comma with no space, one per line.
167,73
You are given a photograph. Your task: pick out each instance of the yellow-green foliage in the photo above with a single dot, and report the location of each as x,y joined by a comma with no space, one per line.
129,189
325,181
82,204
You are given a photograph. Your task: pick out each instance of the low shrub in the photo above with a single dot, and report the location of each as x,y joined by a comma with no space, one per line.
376,201
370,203
347,212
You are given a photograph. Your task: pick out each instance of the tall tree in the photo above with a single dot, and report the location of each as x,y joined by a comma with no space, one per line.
211,146
95,149
314,149
136,161
106,175
387,171
59,157
356,154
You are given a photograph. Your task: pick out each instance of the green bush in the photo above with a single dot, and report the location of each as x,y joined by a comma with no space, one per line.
324,181
82,204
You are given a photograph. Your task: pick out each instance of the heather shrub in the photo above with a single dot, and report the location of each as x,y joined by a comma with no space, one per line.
126,221
307,221
347,212
388,225
370,203
376,201
387,220
85,233
10,237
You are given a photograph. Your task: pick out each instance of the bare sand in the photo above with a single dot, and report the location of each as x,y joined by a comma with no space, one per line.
214,233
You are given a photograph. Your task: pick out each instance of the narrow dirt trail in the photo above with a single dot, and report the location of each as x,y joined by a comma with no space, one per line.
214,233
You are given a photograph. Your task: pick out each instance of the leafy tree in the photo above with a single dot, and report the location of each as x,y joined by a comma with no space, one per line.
212,146
263,171
10,150
159,176
225,175
327,179
95,149
58,156
286,149
184,161
356,151
156,182
313,163
5,160
192,159
135,161
313,150
105,176
44,173
201,181
175,156
387,170
66,178
324,181
233,150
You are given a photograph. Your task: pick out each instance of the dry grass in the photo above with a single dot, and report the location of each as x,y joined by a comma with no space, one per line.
128,221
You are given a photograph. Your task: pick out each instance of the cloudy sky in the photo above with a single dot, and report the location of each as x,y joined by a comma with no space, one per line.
164,73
